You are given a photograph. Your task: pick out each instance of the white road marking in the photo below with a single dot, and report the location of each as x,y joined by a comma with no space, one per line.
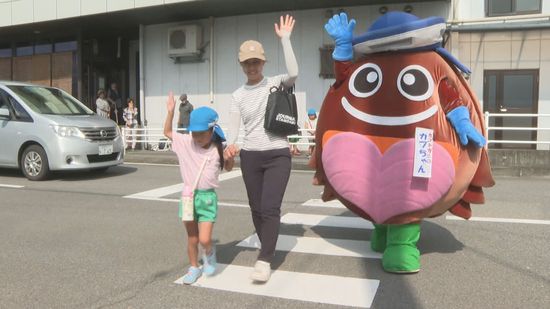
321,220
501,220
230,175
173,200
158,193
336,290
314,245
11,186
319,203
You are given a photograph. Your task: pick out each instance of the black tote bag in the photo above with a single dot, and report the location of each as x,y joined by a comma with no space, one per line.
281,113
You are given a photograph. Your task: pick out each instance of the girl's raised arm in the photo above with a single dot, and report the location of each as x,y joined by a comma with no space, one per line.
170,106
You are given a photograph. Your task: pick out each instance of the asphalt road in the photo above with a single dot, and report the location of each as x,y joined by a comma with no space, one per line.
80,240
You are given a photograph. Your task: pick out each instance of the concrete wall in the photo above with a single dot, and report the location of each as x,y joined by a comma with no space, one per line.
16,12
162,74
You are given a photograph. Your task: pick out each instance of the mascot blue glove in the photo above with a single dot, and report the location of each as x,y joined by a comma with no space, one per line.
342,32
460,119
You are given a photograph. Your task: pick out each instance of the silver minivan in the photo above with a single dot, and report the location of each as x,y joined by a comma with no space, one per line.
44,129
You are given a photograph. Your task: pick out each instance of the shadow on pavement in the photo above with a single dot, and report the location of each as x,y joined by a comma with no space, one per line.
85,175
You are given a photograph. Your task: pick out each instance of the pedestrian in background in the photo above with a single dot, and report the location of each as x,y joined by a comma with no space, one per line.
113,96
185,110
311,125
129,115
202,146
102,106
265,157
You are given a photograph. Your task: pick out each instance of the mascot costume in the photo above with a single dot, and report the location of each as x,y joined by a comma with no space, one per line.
400,132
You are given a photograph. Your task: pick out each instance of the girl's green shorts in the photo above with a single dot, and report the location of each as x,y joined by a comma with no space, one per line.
206,206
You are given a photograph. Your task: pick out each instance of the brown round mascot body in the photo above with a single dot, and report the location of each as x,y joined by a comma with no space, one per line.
398,137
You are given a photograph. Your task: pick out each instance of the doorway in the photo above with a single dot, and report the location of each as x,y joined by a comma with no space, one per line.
511,92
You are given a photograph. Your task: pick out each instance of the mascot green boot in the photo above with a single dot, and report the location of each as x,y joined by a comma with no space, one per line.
378,238
401,255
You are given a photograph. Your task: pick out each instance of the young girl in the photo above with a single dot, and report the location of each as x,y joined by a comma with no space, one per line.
203,145
311,125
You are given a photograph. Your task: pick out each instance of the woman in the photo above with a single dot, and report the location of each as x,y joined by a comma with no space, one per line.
265,157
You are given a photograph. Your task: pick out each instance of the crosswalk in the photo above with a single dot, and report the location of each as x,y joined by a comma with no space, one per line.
319,288
301,286
343,290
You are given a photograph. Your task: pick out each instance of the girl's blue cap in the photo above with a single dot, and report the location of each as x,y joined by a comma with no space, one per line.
204,118
311,111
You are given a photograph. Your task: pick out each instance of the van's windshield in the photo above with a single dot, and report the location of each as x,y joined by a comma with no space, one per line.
50,101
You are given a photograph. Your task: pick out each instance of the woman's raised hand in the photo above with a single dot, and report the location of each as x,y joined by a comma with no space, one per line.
171,104
284,29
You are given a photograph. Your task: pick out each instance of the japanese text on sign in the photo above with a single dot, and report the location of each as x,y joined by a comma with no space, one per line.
423,149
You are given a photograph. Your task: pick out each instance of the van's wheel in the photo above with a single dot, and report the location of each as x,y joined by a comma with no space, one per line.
34,163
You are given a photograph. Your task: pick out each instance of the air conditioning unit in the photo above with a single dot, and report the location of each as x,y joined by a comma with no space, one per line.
184,41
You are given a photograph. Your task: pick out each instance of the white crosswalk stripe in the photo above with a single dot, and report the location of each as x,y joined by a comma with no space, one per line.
336,290
328,289
319,203
315,245
321,220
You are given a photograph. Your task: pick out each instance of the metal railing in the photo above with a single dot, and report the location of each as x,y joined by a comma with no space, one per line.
153,138
488,128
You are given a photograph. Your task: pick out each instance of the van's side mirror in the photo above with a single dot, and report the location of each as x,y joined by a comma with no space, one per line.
4,113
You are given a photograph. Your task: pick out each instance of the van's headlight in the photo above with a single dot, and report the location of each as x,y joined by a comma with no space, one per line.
65,131
118,131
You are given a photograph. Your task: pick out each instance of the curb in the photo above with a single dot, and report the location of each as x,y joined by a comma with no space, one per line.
168,157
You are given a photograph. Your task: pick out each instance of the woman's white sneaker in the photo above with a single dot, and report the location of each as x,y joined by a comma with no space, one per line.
261,272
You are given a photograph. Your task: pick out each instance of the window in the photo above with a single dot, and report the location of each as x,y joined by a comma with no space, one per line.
5,52
45,48
327,63
3,104
24,50
20,113
512,7
65,46
50,101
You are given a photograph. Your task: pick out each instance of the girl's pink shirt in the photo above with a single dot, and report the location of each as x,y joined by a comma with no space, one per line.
191,156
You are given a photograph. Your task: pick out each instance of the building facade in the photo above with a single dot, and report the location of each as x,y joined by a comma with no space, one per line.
150,47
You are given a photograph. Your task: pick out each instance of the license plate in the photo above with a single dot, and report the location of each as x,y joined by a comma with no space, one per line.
105,150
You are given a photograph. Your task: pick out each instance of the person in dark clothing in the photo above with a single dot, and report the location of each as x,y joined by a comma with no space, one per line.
113,96
185,110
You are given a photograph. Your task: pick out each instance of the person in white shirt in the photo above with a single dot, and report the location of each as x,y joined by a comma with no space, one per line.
103,108
129,115
265,157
